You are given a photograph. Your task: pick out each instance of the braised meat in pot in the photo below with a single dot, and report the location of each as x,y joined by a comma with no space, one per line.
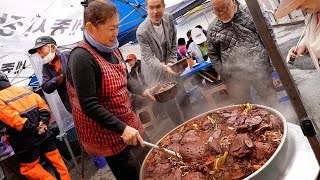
226,144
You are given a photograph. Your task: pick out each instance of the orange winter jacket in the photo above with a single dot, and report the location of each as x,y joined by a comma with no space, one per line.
22,110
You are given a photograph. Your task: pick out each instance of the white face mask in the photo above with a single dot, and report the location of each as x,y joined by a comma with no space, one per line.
49,57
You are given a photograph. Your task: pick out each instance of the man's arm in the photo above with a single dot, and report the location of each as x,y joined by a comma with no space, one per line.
64,61
265,15
49,85
13,119
214,51
44,111
173,48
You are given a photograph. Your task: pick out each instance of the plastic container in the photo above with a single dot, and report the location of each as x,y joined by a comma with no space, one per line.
99,161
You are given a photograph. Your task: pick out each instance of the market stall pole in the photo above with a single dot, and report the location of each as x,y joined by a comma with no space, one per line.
285,76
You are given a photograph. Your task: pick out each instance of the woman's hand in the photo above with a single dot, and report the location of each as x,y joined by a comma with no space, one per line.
295,54
131,136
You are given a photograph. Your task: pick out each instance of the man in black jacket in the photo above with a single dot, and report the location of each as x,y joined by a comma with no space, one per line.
54,70
135,72
237,52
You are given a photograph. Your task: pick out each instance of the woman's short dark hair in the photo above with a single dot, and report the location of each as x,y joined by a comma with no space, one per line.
189,33
98,12
181,41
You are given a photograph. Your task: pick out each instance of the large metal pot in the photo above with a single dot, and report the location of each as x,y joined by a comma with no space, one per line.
273,168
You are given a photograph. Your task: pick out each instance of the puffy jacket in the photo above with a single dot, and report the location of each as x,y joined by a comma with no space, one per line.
236,46
22,110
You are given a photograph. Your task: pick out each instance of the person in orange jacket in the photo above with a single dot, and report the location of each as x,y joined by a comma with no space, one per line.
27,116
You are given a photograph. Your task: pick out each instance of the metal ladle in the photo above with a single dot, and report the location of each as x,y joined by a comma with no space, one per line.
165,150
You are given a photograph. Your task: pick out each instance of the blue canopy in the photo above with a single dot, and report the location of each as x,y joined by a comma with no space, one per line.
132,13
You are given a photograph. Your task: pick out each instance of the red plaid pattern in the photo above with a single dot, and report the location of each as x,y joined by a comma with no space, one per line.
114,96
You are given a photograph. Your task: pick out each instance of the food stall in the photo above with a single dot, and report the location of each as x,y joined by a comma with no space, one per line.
265,146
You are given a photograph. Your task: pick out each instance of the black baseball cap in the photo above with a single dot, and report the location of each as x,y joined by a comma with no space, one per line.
41,41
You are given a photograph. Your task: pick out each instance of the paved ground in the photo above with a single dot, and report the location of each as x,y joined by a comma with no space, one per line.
304,73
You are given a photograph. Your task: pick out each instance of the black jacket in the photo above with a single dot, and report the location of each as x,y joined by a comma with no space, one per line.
50,76
140,79
236,47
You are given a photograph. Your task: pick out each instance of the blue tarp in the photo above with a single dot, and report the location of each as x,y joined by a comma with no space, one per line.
132,13
34,81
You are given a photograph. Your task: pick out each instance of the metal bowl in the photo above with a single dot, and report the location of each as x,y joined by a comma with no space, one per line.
168,94
273,169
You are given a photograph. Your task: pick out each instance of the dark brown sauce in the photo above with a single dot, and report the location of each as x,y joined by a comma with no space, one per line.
230,144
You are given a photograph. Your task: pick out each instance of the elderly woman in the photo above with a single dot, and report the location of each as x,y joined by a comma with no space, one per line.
310,44
98,84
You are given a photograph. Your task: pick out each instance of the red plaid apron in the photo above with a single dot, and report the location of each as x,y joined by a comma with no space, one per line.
114,96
